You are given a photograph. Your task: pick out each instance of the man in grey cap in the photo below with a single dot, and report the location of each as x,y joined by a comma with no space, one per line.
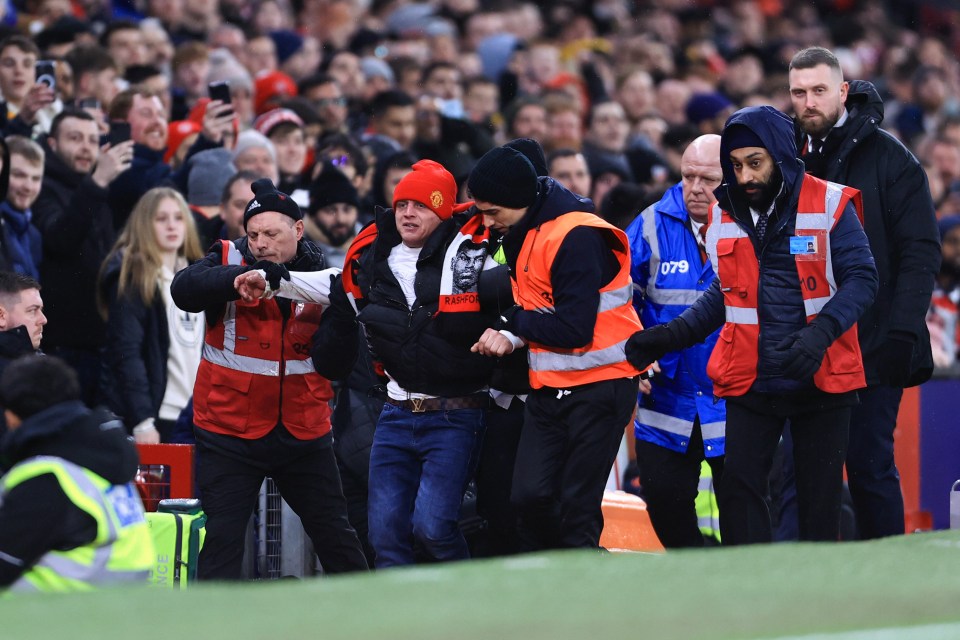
208,173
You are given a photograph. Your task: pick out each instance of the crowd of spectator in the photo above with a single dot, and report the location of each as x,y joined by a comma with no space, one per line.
121,168
614,91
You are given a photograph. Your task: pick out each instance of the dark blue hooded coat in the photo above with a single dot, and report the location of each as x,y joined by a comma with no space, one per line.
780,301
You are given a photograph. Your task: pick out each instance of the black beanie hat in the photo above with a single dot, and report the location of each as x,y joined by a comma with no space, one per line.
504,176
533,152
738,136
332,187
267,198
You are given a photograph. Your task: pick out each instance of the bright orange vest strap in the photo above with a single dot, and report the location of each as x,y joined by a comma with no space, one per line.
603,358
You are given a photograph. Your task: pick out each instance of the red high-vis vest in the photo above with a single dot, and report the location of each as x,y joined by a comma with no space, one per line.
603,358
257,372
733,364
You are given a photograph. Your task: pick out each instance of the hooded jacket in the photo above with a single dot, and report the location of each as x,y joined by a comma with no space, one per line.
900,222
37,516
780,301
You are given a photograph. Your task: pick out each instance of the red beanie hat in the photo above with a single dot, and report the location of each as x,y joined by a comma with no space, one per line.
177,132
272,87
430,184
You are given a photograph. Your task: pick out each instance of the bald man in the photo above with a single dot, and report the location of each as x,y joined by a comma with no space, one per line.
678,425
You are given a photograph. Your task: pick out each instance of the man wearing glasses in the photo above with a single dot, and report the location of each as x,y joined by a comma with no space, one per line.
325,94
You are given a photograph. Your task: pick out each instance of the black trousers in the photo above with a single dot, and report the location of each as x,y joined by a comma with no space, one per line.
569,441
494,478
754,427
306,475
871,471
670,482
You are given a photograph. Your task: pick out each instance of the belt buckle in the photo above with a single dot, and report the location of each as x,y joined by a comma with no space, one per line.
417,405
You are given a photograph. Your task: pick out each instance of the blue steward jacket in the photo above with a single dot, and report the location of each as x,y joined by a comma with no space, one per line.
668,276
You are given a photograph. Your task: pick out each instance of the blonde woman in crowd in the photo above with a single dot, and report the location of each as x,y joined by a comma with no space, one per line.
153,348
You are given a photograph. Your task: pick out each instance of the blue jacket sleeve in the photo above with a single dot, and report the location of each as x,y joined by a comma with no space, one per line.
853,269
639,259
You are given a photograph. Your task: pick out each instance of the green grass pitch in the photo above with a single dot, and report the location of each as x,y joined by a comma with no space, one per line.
901,588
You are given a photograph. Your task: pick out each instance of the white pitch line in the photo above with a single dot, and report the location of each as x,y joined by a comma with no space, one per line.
941,631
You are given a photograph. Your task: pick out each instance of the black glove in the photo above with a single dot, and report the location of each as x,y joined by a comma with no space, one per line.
651,344
802,351
896,358
274,272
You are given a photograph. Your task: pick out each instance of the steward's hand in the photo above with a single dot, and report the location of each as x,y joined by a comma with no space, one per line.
645,385
648,345
274,272
493,343
802,352
896,358
250,285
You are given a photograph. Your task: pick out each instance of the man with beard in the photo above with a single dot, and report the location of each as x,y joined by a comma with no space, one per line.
332,216
788,349
73,215
838,130
147,118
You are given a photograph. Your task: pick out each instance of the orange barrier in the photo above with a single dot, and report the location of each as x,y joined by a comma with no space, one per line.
165,471
906,447
626,524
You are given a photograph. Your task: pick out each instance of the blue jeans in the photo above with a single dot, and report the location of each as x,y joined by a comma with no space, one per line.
419,467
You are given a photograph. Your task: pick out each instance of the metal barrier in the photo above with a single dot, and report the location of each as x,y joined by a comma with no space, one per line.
277,546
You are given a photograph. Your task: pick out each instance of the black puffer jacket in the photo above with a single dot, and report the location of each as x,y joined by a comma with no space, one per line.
901,225
423,351
133,371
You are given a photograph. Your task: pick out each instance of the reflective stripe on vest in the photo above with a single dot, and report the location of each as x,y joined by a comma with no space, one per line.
733,363
678,297
227,356
708,512
604,357
122,550
680,426
257,371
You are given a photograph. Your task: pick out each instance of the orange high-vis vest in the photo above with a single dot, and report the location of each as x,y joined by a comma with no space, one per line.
603,358
257,372
733,364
